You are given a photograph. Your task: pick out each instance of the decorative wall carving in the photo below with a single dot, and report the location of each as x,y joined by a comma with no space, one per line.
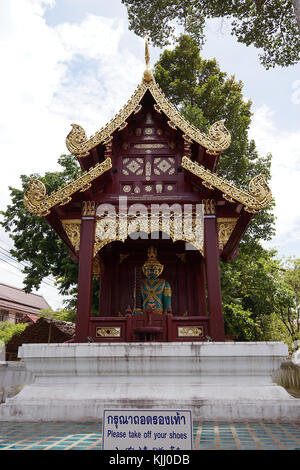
178,227
209,206
217,139
132,166
72,229
108,332
89,208
190,331
225,229
164,166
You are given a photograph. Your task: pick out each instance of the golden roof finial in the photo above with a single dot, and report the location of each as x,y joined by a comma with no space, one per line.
147,73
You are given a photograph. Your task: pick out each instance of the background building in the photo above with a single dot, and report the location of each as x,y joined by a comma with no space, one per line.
44,330
16,305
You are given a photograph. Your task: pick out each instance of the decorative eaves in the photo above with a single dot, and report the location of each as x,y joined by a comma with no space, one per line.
258,197
38,202
217,139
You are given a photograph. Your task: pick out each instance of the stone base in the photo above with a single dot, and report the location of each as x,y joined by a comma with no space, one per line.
13,377
217,381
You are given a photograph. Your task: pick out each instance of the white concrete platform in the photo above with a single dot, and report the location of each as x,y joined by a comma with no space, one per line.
221,381
13,377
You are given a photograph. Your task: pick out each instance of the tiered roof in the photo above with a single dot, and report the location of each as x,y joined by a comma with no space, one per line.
98,163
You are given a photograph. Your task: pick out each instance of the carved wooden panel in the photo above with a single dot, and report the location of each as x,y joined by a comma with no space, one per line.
148,153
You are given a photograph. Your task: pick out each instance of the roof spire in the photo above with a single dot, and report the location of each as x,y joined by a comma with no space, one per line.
147,73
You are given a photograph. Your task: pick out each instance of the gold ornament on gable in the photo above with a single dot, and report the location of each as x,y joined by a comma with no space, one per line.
258,197
225,229
217,139
38,202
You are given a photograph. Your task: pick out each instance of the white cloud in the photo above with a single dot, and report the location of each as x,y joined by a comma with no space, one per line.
285,170
54,76
296,93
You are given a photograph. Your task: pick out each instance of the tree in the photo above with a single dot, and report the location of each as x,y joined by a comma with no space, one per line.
274,330
8,330
287,296
296,5
34,240
204,94
61,314
36,243
272,26
240,324
248,281
267,287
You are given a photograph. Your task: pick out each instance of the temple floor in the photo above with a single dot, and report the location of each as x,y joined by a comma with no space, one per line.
207,435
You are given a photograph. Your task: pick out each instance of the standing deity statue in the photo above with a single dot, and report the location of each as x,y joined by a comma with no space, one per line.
156,293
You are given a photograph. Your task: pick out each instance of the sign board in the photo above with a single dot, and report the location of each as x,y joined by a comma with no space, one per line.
147,430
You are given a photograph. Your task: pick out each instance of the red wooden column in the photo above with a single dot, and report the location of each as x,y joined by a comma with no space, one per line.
85,276
199,273
211,255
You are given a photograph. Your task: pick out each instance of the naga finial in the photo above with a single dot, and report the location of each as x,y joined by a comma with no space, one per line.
147,73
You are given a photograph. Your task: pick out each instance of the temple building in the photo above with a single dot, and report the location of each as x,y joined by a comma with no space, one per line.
151,218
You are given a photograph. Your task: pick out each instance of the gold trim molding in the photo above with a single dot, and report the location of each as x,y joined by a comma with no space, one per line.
89,208
116,229
108,332
38,202
226,226
217,139
209,206
190,331
72,229
258,197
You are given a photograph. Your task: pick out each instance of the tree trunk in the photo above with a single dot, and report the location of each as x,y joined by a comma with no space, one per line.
296,5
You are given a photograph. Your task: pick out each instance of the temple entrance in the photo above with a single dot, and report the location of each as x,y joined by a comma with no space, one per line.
137,305
121,277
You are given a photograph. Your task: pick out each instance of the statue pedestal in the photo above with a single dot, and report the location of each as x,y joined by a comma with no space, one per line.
222,381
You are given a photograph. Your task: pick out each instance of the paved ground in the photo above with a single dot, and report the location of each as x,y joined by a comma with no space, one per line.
208,435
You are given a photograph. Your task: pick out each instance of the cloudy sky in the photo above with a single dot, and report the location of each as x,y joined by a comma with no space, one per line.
65,61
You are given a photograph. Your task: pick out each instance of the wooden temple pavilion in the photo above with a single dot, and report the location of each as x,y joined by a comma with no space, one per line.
149,156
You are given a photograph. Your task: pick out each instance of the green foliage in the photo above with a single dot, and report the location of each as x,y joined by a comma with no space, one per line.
287,296
267,287
34,240
8,330
204,94
238,322
61,314
248,280
274,330
269,25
